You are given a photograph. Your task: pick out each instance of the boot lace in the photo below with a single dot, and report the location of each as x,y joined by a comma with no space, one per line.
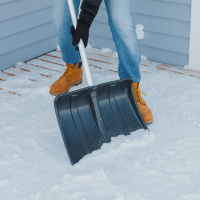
137,93
68,72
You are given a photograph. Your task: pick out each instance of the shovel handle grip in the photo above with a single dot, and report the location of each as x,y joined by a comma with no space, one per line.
81,45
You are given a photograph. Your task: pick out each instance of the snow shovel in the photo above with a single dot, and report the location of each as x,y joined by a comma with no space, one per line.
89,117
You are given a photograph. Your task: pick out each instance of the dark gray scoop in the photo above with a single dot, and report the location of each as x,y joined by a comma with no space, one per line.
91,116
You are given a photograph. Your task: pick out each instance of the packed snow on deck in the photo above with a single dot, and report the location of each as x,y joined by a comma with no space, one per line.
161,164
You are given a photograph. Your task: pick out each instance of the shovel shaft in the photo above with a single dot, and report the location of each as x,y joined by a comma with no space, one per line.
81,45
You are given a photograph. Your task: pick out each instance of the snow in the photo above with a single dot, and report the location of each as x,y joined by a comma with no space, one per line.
140,31
186,67
161,164
143,57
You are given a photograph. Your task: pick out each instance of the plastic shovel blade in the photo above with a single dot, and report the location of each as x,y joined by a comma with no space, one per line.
91,116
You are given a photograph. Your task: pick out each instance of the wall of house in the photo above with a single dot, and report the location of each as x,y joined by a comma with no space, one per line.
167,29
26,30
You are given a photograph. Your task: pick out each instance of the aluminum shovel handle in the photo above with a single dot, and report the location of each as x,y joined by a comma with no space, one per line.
81,45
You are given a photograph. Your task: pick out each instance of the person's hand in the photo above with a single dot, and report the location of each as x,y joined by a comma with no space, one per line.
81,32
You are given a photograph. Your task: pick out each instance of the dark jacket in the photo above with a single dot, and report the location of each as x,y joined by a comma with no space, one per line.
91,6
89,10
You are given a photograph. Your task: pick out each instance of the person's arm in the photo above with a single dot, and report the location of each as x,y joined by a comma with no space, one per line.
89,10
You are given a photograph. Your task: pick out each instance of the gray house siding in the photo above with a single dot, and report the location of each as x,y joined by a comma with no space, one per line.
26,30
166,25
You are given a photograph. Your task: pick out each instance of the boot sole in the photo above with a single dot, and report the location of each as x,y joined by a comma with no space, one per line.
75,84
149,122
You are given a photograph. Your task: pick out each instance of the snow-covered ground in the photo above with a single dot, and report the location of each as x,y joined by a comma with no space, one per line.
163,164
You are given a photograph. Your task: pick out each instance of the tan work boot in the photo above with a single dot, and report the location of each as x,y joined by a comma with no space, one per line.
144,109
72,76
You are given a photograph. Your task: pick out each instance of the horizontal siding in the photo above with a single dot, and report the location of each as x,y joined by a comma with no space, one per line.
26,32
167,29
26,22
28,52
179,1
25,38
21,7
161,56
152,39
5,1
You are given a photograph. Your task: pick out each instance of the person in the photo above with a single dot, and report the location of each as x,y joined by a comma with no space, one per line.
124,34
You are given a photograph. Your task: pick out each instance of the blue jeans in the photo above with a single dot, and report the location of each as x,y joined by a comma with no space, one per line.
123,31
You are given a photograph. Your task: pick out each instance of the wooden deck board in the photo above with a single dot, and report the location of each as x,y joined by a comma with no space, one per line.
52,64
